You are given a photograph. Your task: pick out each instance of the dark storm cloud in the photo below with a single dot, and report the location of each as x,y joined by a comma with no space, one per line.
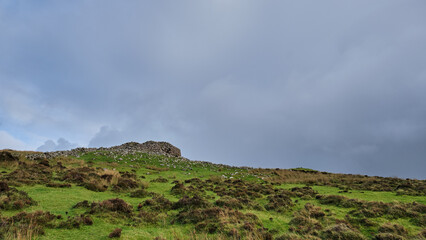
331,85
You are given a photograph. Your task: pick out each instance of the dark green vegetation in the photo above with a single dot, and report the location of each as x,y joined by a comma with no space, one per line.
106,194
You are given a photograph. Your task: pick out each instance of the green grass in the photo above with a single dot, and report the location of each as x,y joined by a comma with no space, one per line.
366,195
60,201
301,169
100,230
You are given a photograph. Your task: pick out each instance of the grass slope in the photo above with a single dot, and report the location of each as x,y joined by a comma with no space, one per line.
151,196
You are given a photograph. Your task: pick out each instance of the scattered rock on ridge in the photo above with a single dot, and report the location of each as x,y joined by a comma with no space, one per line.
161,148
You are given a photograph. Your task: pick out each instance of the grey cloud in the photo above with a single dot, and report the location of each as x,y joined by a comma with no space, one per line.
336,86
61,144
106,137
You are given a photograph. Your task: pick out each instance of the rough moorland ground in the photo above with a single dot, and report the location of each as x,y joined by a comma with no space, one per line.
148,191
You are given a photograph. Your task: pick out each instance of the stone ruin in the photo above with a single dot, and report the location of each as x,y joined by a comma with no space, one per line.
163,148
152,147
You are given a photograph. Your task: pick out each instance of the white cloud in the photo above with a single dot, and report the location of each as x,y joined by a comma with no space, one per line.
62,144
8,141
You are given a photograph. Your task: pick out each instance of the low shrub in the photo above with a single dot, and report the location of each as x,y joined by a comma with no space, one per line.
76,221
117,205
95,186
82,204
305,225
26,224
393,228
342,231
313,211
140,193
304,192
15,199
229,202
4,187
222,220
294,236
151,217
191,203
160,180
388,236
116,233
157,203
178,189
279,202
125,184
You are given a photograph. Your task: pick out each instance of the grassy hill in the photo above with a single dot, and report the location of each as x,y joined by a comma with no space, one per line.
154,193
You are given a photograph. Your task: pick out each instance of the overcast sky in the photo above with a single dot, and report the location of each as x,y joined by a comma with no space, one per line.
338,86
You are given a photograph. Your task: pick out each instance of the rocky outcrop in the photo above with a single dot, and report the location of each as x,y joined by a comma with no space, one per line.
152,147
163,148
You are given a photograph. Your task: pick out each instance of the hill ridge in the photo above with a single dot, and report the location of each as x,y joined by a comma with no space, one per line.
152,147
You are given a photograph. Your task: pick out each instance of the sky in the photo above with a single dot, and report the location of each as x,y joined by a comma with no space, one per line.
337,86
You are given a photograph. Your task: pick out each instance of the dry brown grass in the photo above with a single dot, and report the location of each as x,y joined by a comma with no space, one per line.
69,161
10,165
288,176
112,165
27,233
194,235
115,176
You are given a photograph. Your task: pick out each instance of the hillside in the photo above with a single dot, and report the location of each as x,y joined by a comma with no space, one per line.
149,191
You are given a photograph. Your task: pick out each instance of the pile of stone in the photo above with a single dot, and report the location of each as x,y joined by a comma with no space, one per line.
151,147
162,148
